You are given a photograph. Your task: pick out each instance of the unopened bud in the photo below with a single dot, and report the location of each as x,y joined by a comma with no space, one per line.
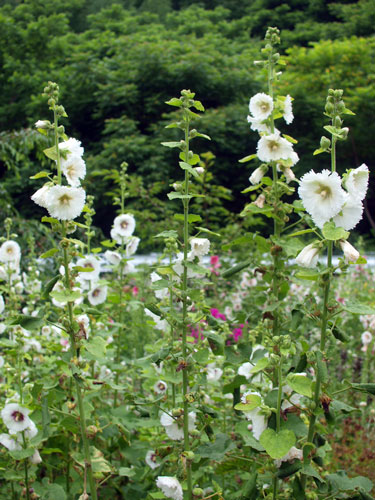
325,143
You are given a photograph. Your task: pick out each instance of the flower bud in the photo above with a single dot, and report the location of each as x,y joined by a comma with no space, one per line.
325,143
350,253
308,257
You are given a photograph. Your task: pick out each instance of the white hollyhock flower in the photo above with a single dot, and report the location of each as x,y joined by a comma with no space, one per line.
288,113
151,459
35,458
174,427
170,486
258,420
258,174
350,213
2,361
132,245
199,247
350,253
162,293
74,169
10,251
10,442
213,372
160,324
356,182
71,147
113,258
293,453
366,338
65,203
245,369
89,263
258,125
39,197
160,387
84,326
97,295
272,147
42,124
124,225
15,417
308,257
322,195
261,106
2,304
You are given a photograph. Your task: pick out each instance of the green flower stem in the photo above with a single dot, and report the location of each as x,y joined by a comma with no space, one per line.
74,353
118,346
185,202
26,467
55,122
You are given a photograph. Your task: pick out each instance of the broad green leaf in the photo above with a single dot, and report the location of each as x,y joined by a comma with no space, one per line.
290,139
126,471
319,151
51,153
22,454
40,175
198,105
51,220
28,322
333,233
358,308
180,196
252,401
96,346
261,365
218,449
306,274
205,230
369,388
300,384
298,233
277,444
247,158
191,218
172,144
49,253
65,296
174,102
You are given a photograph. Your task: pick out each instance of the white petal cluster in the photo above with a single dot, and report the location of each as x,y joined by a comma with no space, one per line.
89,262
151,459
288,112
72,163
261,106
174,426
350,253
308,257
124,225
170,486
10,251
199,247
65,203
97,295
40,196
325,199
160,387
293,453
273,147
15,417
366,338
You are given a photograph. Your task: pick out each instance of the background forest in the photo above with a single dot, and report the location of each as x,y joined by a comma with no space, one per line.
118,62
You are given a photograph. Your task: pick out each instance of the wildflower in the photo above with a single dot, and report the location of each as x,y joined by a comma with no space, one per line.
160,324
173,426
36,458
261,106
308,257
170,486
10,442
113,258
84,326
213,372
293,453
366,338
215,264
288,113
150,459
97,295
160,387
74,169
350,213
132,245
39,197
2,304
356,182
89,263
258,125
15,417
10,251
42,124
199,247
258,174
272,147
65,203
260,201
124,225
71,147
350,253
322,195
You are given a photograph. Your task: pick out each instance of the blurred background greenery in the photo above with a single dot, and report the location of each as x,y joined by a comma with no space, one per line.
117,62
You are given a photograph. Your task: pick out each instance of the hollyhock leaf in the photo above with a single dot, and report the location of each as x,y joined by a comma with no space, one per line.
261,365
300,384
49,253
252,401
186,166
332,130
251,188
247,158
173,196
237,382
333,233
290,139
51,153
208,231
126,471
172,144
277,444
96,346
174,102
319,151
218,449
358,308
309,470
51,220
28,322
65,296
40,175
108,243
202,356
247,436
299,233
191,218
306,274
370,388
22,454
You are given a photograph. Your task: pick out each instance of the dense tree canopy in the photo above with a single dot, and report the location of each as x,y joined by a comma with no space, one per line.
118,63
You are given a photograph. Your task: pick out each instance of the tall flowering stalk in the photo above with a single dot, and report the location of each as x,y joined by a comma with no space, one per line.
65,203
334,210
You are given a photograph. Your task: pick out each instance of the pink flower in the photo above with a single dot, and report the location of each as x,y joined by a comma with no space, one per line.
217,314
215,264
135,291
